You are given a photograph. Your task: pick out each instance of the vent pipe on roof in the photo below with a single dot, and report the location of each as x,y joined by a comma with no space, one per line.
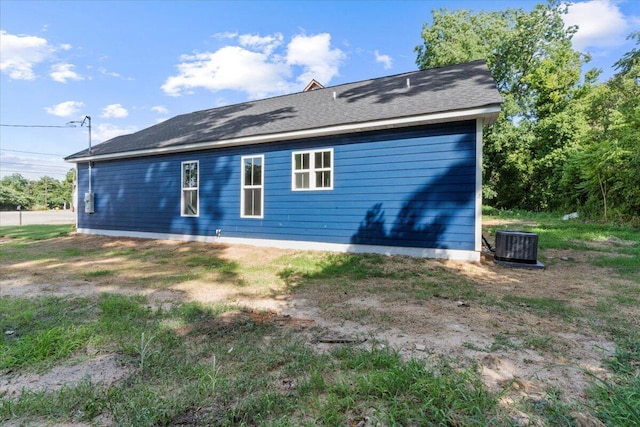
408,83
335,96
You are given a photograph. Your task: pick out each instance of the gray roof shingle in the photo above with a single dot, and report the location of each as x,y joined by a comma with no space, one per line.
437,90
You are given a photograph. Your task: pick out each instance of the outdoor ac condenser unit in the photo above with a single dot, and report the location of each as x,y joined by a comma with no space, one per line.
517,248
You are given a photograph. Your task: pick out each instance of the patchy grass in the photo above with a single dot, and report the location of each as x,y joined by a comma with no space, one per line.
191,363
36,232
544,306
617,400
99,273
542,342
554,233
626,266
38,332
402,278
232,375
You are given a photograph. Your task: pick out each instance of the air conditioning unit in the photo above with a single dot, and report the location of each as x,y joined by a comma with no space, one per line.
517,249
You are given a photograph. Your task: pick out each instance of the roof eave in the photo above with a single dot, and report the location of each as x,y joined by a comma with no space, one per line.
488,114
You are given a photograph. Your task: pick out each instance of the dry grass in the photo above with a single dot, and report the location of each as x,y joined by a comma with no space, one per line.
531,331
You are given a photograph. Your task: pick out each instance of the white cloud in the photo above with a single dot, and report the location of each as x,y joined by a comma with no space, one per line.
33,166
65,109
19,54
315,55
264,44
66,46
384,60
600,23
63,72
114,111
259,66
106,131
225,35
106,72
160,109
231,67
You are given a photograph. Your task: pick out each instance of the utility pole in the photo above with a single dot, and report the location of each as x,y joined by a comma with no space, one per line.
89,195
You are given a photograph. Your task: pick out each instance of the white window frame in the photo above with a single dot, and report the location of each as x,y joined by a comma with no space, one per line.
244,186
183,189
312,170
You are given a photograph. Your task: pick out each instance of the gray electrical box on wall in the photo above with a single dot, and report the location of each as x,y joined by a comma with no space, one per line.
89,202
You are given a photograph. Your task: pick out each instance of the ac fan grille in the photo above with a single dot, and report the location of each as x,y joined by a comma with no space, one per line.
516,246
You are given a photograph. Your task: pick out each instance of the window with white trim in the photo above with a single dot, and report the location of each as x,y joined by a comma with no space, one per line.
252,200
190,182
312,170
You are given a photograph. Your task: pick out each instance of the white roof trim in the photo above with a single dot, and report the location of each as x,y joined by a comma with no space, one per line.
489,114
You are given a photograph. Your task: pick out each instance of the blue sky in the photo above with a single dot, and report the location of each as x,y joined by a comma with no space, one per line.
131,64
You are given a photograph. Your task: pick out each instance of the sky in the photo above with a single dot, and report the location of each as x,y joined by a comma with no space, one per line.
131,64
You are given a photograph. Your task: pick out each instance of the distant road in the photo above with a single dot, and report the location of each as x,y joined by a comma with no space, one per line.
37,217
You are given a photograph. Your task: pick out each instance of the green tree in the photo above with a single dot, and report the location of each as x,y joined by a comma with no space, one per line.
48,192
538,74
629,64
67,186
606,169
14,192
44,193
10,199
15,181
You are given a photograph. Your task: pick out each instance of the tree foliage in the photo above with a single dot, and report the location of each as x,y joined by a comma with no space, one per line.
606,169
14,192
538,74
562,140
43,193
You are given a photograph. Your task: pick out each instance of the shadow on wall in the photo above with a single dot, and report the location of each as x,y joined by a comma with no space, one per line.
214,177
145,197
422,221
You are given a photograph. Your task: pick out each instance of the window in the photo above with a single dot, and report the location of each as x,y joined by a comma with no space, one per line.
312,170
252,201
190,178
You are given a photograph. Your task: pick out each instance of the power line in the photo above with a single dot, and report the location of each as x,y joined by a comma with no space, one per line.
24,163
36,126
29,172
31,152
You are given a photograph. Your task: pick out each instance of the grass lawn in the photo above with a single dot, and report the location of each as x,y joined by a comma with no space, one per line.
195,334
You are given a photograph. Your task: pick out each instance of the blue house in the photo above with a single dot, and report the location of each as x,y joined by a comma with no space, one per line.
389,165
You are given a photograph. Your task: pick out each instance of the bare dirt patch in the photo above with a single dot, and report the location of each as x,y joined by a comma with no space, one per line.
117,271
105,369
510,345
515,343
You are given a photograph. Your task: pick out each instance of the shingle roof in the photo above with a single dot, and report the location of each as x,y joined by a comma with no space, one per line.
445,89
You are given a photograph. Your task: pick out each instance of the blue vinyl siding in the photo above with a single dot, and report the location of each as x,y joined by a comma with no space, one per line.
414,188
